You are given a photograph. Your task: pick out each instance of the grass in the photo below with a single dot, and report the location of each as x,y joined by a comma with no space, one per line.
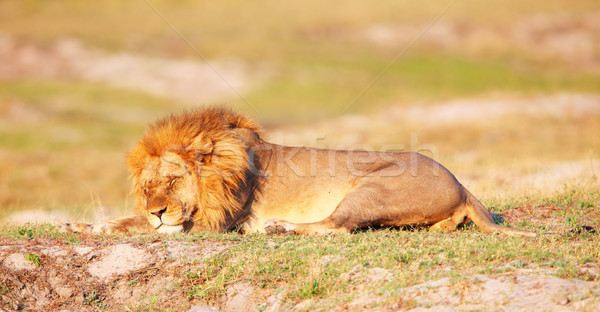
63,141
297,264
317,267
93,300
35,259
34,231
64,135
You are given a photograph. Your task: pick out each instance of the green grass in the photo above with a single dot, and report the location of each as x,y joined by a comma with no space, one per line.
93,300
316,267
35,259
311,267
33,231
298,263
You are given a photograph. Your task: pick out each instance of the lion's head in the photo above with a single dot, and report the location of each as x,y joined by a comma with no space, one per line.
192,170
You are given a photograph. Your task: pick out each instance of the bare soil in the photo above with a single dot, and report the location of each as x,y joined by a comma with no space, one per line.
97,275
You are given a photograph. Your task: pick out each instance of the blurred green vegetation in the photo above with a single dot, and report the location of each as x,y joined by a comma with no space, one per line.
317,61
59,115
424,78
63,140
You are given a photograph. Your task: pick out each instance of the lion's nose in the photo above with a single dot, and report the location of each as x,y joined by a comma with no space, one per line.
159,213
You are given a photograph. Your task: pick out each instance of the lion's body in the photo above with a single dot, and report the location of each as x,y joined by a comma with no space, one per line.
307,185
211,170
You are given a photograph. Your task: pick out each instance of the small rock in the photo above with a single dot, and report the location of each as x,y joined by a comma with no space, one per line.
82,250
378,274
17,261
121,259
64,292
329,259
275,303
239,298
564,300
55,252
358,273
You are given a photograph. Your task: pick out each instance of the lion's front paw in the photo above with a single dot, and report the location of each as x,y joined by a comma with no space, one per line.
279,227
95,228
75,227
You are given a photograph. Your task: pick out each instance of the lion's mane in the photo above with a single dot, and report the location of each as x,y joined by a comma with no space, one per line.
222,173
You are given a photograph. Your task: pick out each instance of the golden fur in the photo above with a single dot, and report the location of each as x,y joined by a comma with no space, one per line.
210,170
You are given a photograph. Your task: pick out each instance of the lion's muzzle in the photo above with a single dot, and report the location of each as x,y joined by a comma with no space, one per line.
169,229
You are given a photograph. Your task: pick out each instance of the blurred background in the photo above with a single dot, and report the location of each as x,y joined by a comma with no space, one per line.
506,94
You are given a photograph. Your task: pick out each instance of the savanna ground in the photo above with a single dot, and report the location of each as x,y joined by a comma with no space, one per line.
506,95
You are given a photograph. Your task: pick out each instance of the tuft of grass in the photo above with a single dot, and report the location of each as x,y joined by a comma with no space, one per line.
4,289
93,299
310,289
35,259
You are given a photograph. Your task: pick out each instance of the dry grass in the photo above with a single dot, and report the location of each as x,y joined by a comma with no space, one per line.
366,270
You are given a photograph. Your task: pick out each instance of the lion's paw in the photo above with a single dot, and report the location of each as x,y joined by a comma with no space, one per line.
279,227
75,227
95,228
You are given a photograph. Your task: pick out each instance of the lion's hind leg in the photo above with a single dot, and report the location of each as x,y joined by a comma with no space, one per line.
445,225
458,218
361,207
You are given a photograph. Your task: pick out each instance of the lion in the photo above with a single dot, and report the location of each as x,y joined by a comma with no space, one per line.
210,170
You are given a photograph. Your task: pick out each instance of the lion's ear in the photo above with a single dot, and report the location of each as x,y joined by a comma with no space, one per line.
249,137
201,145
172,165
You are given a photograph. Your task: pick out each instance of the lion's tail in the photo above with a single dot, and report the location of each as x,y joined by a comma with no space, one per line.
483,219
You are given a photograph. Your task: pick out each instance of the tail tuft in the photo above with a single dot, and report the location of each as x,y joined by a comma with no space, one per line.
483,219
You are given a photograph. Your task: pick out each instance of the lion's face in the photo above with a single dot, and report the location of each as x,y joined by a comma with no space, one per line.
190,171
168,192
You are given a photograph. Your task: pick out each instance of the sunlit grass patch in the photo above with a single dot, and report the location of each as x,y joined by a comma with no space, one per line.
36,231
317,266
339,268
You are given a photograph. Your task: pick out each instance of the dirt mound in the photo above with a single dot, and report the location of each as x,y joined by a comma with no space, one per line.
41,275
